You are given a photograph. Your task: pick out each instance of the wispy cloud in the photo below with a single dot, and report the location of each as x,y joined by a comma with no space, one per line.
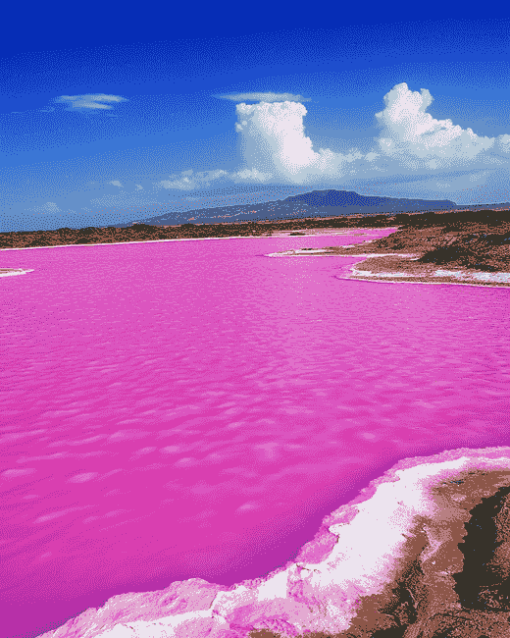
115,182
251,175
264,97
49,208
139,187
89,101
187,180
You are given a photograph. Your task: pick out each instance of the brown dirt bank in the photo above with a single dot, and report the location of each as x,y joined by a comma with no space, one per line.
456,587
448,248
146,232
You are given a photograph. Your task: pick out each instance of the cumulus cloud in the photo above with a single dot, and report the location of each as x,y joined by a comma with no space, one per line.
273,142
418,140
264,97
411,144
115,182
275,146
89,101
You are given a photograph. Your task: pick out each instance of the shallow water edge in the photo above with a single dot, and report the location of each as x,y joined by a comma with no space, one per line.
393,557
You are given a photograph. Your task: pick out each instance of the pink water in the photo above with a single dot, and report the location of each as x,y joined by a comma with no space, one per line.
193,409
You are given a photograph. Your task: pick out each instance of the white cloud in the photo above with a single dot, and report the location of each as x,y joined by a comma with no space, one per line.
115,182
275,146
187,180
419,141
251,175
49,207
276,149
503,143
89,101
273,142
264,97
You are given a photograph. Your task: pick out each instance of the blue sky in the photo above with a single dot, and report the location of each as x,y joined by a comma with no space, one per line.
102,125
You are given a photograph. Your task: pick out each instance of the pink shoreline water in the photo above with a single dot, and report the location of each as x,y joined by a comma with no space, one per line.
344,570
194,409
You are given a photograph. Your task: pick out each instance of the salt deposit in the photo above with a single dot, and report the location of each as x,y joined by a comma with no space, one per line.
348,577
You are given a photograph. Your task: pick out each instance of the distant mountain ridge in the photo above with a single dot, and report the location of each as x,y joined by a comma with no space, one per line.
318,203
340,199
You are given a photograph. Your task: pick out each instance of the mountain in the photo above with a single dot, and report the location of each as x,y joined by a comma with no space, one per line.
333,199
325,203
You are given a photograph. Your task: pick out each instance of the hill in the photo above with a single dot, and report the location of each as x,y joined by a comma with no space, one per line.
326,203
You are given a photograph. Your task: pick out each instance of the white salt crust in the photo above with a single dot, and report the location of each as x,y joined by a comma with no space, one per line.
353,556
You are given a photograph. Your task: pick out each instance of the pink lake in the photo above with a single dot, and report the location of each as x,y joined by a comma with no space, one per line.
194,409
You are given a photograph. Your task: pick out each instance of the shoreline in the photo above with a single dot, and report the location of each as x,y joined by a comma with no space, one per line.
434,280
429,276
475,253
9,272
460,248
400,277
419,574
328,232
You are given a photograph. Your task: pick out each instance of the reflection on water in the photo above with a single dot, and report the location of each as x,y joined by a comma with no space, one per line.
193,409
